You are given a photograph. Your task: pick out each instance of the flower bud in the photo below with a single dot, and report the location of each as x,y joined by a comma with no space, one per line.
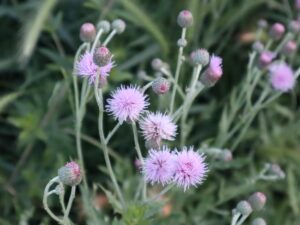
160,85
102,56
225,155
157,64
289,48
119,25
257,200
87,32
153,144
294,26
259,221
244,208
277,171
104,25
258,46
263,24
185,19
199,57
181,42
59,189
213,73
266,58
70,174
277,30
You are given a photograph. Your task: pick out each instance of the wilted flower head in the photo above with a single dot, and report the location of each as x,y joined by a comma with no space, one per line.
190,168
159,166
158,126
126,103
282,77
214,71
85,67
70,174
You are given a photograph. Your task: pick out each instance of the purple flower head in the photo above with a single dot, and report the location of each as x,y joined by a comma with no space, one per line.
282,77
214,71
190,168
158,126
159,166
85,67
126,103
266,58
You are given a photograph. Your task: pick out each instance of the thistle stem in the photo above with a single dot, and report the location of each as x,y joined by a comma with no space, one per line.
69,206
45,198
112,132
178,67
99,99
235,218
100,32
110,36
140,156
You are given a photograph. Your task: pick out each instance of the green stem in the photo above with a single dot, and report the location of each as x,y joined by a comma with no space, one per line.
235,218
112,132
99,99
110,36
100,32
164,191
69,206
178,67
140,156
45,198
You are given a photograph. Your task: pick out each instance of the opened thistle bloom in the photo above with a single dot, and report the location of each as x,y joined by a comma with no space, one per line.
158,126
159,166
127,103
190,168
282,77
214,71
86,67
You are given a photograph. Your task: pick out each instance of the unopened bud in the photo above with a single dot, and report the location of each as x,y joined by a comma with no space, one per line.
59,189
258,46
225,155
153,144
160,85
257,200
277,30
181,42
244,208
119,25
259,221
185,19
102,56
277,171
70,174
87,32
266,58
289,48
199,57
104,25
157,64
294,26
262,23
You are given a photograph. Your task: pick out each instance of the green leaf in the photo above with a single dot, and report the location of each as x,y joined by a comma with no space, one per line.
7,99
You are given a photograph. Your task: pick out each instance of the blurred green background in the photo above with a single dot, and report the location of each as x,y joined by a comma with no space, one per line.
38,40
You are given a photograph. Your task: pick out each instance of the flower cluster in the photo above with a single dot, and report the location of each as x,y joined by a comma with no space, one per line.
185,168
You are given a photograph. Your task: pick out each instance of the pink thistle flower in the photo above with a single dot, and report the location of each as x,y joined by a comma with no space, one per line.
158,126
190,168
86,67
159,166
214,71
127,103
282,77
266,58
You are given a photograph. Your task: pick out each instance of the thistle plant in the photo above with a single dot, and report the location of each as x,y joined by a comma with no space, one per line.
164,158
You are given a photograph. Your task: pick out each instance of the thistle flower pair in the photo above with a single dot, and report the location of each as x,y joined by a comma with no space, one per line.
185,168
